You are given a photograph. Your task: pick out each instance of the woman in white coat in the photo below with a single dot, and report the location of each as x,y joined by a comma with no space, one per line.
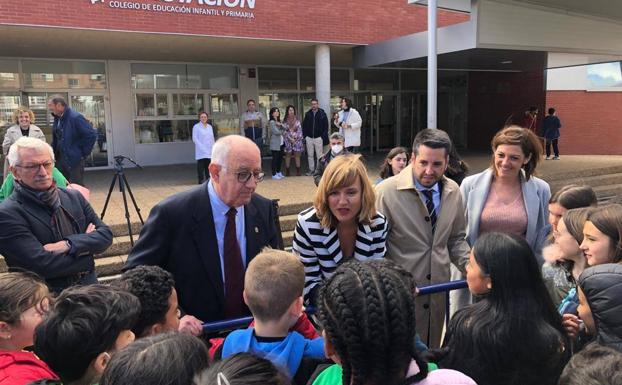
23,119
203,138
349,122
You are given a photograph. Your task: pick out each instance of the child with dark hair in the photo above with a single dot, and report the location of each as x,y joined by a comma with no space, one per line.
513,335
594,365
242,369
367,310
273,292
600,306
163,359
24,300
155,289
84,328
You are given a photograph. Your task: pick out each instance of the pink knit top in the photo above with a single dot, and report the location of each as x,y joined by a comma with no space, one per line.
508,218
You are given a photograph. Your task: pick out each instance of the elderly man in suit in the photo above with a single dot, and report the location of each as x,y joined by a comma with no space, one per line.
206,236
426,225
46,229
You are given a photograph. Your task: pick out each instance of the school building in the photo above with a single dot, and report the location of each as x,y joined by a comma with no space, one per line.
141,70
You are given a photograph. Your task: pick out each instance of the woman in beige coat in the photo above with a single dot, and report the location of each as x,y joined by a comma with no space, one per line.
23,119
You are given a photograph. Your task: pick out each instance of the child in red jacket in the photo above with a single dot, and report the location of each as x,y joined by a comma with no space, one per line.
24,299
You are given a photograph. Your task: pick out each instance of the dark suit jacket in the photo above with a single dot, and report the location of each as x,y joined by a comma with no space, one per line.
180,237
25,226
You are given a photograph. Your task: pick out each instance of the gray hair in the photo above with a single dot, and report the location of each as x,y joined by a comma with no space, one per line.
432,138
338,136
220,151
58,99
27,142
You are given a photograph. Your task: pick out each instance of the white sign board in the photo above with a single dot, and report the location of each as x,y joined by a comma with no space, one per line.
218,8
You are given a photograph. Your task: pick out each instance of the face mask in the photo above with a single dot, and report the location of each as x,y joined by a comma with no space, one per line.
336,149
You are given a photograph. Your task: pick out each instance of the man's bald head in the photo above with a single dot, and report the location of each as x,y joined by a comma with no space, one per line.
231,145
232,155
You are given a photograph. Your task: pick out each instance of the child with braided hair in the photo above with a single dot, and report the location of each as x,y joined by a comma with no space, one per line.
367,310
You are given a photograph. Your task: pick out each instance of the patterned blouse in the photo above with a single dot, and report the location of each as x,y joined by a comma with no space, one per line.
292,139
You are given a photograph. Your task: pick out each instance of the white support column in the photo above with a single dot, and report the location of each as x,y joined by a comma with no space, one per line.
432,64
322,76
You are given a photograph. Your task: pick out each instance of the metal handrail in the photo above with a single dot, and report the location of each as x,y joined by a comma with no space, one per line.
234,323
443,287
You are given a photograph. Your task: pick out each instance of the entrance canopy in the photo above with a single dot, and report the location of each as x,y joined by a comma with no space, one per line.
504,35
69,43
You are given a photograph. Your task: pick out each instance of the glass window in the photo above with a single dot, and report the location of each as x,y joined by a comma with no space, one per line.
452,80
92,107
162,104
212,76
280,100
369,79
225,126
414,80
143,81
278,78
187,104
147,75
145,105
174,76
604,75
9,74
305,103
167,81
163,131
307,79
8,103
57,74
224,104
340,80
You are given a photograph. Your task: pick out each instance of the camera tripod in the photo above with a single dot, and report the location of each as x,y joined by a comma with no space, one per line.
123,184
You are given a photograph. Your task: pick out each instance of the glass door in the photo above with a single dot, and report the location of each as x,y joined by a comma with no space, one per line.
37,102
385,124
363,104
93,109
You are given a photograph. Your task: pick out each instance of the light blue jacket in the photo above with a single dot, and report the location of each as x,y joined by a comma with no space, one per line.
286,354
536,195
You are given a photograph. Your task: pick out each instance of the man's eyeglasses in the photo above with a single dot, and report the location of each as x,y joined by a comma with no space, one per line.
245,176
35,167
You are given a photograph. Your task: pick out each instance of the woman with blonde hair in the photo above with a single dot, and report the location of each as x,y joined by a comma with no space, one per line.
23,125
342,225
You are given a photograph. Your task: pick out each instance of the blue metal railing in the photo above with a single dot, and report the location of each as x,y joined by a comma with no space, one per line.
216,326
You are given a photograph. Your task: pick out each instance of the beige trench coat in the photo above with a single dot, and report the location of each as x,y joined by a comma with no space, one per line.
12,134
411,244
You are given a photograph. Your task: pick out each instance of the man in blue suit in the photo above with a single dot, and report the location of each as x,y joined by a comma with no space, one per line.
206,236
73,138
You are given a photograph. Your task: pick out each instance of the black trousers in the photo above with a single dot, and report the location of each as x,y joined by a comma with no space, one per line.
277,159
548,147
202,169
72,174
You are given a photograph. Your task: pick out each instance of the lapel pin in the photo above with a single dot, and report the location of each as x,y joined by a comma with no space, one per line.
256,230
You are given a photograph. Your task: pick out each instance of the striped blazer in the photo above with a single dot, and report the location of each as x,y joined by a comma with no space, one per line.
320,252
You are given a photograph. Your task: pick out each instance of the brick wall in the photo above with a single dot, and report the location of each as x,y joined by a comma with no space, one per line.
494,97
591,121
363,21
